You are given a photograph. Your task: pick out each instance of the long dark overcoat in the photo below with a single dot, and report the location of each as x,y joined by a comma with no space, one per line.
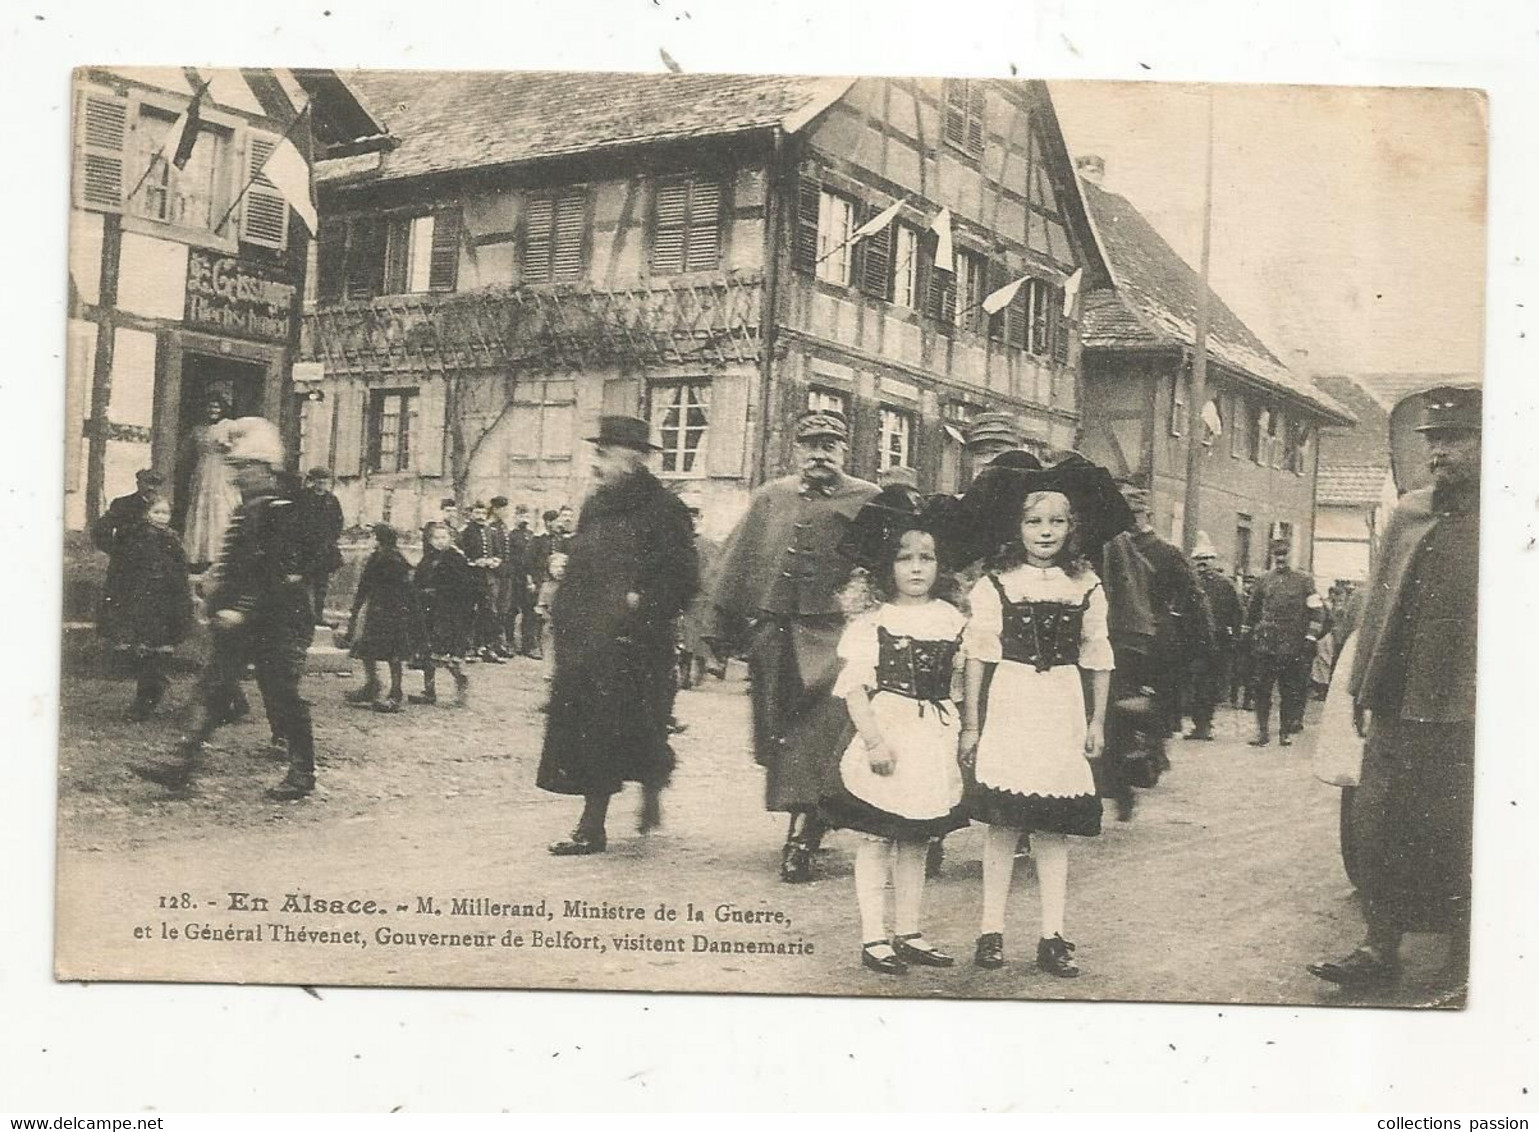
1412,814
446,598
614,681
147,599
387,601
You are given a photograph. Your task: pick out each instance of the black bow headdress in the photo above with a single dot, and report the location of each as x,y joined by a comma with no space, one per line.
992,505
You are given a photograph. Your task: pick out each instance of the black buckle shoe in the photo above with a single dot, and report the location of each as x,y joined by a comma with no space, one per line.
990,951
795,863
1363,968
882,964
1053,956
580,844
915,949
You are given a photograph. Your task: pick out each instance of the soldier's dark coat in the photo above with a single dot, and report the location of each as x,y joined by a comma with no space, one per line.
614,681
1412,814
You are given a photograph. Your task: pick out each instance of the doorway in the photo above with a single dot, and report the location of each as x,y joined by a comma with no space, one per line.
239,386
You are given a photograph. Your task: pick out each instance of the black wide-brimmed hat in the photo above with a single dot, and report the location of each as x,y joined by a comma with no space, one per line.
892,512
624,432
992,505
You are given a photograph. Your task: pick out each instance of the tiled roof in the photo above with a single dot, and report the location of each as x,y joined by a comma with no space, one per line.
446,121
1154,303
1350,486
1365,444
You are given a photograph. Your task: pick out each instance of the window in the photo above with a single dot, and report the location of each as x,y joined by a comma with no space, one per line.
963,110
686,226
905,268
392,424
897,448
1241,543
1040,311
1295,446
1212,423
1178,389
422,253
828,400
681,414
1237,434
553,238
971,274
836,222
196,196
1274,448
540,428
1260,425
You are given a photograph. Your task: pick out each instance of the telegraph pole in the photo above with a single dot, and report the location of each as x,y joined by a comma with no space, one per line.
1199,390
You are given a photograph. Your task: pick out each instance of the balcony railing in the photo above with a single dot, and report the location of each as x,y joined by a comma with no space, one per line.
550,327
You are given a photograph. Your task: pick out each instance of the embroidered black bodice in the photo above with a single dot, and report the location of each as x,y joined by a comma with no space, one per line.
1043,634
920,670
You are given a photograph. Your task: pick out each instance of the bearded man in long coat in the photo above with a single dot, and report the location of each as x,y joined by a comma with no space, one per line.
632,571
1413,692
778,591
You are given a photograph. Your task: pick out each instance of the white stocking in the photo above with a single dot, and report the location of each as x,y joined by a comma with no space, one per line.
1051,851
871,864
998,866
908,885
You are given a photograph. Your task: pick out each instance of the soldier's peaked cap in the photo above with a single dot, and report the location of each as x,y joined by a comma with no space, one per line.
987,428
816,423
1451,407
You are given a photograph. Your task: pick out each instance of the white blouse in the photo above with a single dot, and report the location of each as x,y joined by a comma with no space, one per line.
859,645
981,640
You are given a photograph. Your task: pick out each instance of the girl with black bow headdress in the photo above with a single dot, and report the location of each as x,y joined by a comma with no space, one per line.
899,780
1038,619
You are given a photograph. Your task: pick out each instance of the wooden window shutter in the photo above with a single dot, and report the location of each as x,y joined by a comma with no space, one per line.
954,112
876,266
264,213
567,259
365,257
1060,325
352,402
941,296
331,260
101,134
670,220
804,252
975,103
704,227
726,434
444,268
397,231
995,278
539,230
427,444
1018,322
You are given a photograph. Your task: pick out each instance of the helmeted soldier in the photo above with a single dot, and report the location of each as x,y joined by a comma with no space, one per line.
260,612
1286,618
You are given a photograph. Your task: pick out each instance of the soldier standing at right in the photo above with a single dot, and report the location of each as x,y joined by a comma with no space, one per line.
1286,618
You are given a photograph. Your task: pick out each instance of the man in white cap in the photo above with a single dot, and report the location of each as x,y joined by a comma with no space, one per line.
260,612
1210,671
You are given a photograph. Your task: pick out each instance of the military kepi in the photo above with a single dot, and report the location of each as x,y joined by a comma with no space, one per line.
624,432
816,423
1451,407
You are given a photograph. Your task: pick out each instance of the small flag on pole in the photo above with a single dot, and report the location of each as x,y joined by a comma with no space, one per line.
184,131
945,259
1071,291
878,222
998,300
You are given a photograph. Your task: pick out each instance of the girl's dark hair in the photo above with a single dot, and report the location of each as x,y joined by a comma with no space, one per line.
873,585
386,535
1013,553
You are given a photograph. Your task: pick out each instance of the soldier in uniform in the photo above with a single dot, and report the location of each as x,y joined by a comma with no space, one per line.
1210,675
260,611
1286,618
484,547
1413,690
777,589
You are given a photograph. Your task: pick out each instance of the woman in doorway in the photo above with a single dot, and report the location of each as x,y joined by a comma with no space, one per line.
212,494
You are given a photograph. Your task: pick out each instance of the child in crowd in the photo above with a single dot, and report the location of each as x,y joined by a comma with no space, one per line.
555,570
899,780
388,605
1038,618
446,596
146,607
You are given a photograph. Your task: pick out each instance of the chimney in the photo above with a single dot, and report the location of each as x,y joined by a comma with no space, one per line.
1091,167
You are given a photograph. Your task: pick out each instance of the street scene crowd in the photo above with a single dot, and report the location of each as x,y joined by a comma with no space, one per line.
1012,656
